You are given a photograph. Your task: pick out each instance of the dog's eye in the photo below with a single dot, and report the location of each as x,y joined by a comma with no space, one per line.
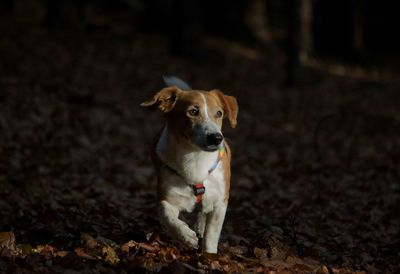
194,112
219,114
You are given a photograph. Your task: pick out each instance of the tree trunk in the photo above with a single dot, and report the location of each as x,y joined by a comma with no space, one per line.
306,32
256,20
358,26
293,42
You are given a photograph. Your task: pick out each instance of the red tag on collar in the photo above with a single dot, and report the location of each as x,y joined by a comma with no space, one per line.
199,190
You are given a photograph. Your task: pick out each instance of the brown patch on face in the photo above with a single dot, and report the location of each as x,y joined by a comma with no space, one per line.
186,114
229,104
215,109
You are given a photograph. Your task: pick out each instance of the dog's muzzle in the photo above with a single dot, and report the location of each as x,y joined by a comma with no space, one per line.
214,139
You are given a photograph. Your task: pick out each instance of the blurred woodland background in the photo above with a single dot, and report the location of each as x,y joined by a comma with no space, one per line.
316,155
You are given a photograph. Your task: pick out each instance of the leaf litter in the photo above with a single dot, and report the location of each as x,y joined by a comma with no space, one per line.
315,178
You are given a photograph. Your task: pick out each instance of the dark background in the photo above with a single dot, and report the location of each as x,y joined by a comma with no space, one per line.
316,154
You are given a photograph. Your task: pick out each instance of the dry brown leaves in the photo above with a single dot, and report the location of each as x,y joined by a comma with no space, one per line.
155,254
314,170
9,248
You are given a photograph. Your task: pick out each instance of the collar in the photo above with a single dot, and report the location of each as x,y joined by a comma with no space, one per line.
199,189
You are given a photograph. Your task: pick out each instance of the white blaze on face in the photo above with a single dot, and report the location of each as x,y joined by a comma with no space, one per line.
205,106
208,123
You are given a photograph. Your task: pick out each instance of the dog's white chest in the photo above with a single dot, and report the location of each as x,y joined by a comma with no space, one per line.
183,168
179,192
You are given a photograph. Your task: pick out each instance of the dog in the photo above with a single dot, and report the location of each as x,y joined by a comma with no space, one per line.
192,161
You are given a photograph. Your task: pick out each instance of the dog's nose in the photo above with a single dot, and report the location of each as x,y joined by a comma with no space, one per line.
214,139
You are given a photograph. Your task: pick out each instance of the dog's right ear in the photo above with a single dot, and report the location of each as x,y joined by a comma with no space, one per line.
165,99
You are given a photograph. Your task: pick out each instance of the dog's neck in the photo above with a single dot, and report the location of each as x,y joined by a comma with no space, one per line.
189,161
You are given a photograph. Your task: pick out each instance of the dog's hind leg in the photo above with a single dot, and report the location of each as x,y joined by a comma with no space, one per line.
169,217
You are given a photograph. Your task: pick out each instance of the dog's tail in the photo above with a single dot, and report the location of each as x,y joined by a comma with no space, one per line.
175,81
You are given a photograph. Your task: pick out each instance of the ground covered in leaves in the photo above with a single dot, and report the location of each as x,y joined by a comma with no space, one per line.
316,178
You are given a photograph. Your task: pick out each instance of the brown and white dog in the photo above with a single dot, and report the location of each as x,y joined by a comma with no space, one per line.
192,161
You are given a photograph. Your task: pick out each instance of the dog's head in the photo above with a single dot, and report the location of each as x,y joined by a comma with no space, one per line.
196,115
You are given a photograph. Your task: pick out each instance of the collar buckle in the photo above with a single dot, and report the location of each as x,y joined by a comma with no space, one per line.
199,190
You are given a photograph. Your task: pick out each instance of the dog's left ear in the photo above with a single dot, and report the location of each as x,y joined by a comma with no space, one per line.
229,105
165,99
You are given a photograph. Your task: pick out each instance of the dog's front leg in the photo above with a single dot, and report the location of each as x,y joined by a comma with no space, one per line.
169,217
214,222
200,224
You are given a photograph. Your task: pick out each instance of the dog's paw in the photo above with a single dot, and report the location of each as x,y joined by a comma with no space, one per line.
189,238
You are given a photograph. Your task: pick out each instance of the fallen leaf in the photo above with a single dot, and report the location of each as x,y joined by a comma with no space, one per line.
260,253
81,253
45,250
26,249
168,254
89,241
148,263
7,240
126,246
148,247
215,265
62,253
111,255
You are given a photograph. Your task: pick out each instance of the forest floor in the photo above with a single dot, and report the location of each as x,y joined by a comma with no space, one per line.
315,185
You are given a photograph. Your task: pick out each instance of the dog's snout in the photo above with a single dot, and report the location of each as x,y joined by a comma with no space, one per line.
214,139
